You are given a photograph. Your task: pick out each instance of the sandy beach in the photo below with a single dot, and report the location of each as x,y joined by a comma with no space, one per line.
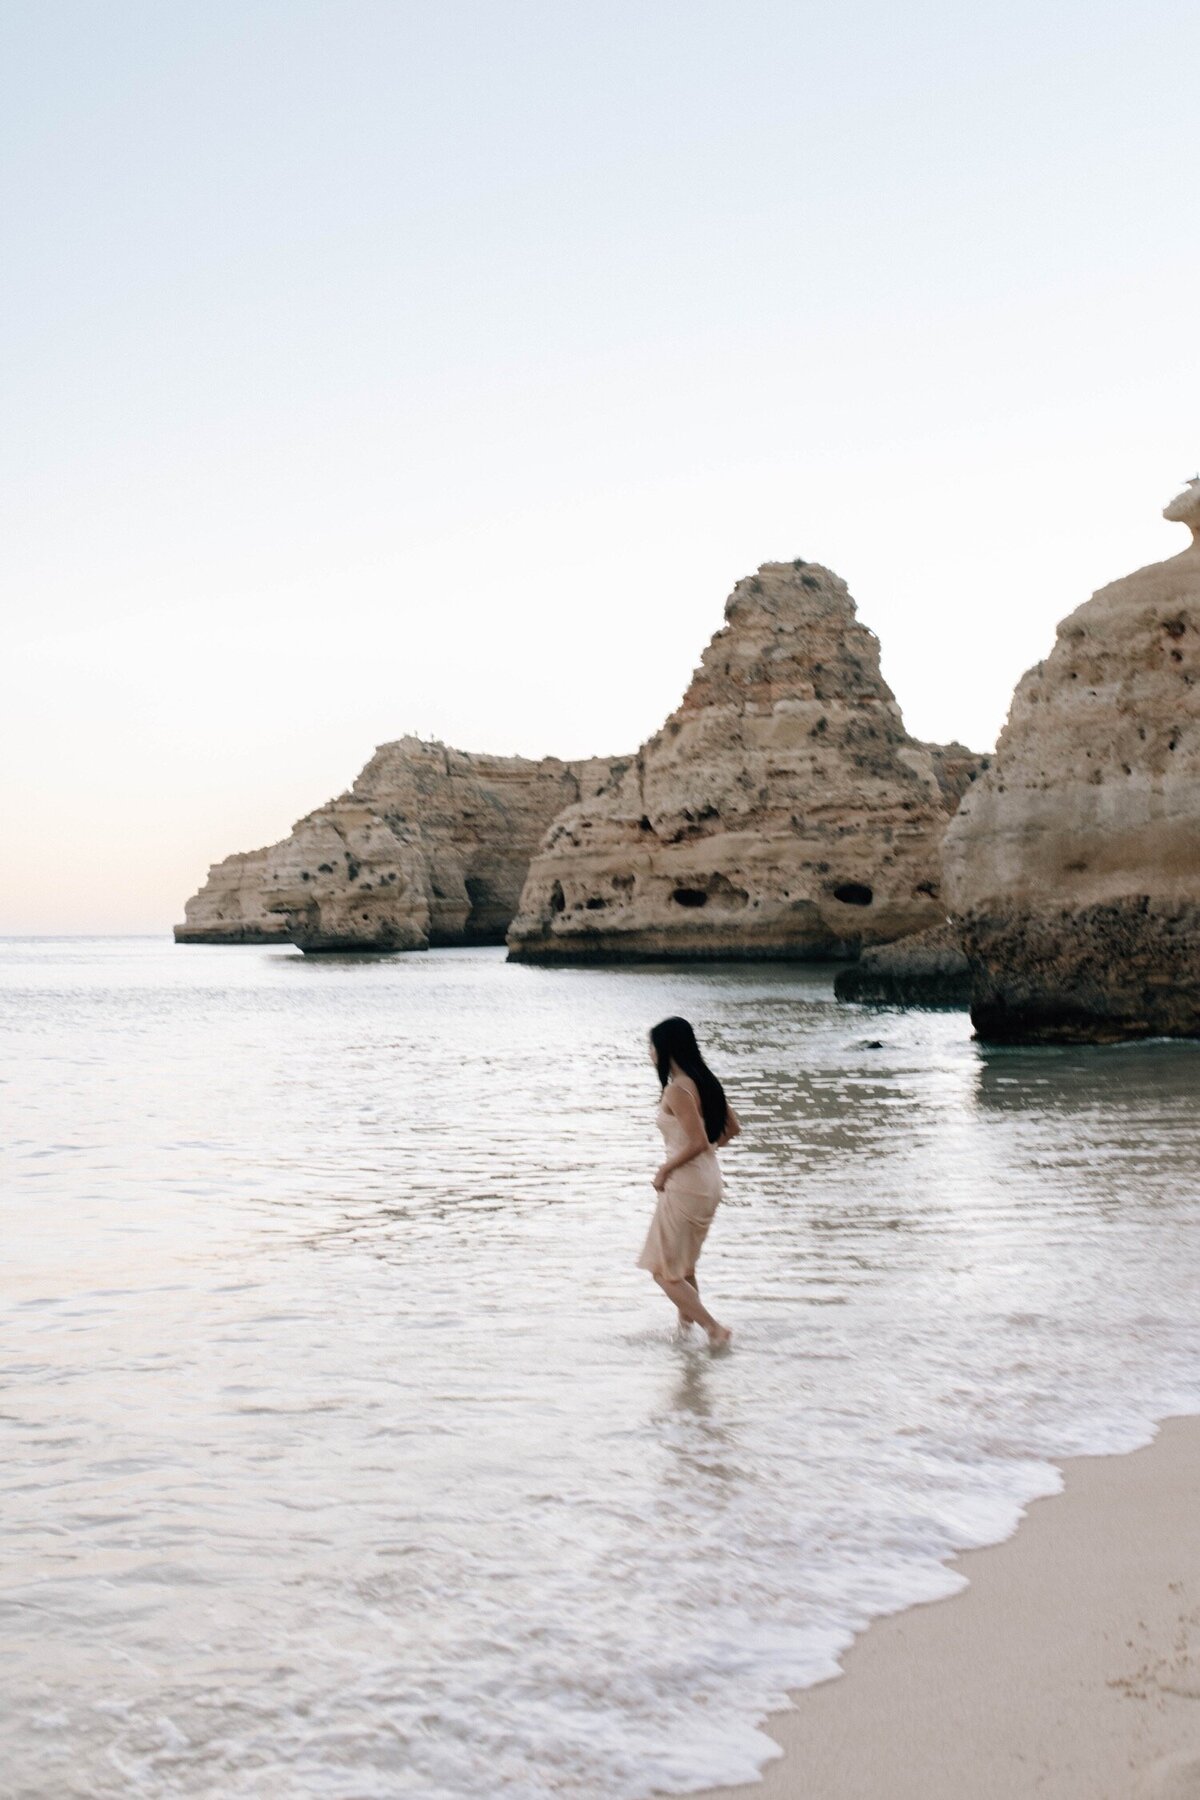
1068,1669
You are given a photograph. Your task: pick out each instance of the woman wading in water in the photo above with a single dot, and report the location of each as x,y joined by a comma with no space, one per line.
695,1119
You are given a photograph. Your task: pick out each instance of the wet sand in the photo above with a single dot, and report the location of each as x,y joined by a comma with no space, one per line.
1069,1668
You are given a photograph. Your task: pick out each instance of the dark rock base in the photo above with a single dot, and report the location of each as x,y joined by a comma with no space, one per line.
237,935
1106,974
925,970
609,949
868,987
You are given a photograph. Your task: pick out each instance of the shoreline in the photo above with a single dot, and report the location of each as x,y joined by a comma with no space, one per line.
1067,1669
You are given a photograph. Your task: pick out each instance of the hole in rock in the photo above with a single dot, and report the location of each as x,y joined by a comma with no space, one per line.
557,898
853,893
718,888
481,898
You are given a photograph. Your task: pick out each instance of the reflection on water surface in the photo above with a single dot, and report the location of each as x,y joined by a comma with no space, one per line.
349,1455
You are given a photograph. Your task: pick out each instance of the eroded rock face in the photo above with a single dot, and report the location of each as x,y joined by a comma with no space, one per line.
346,879
1073,866
782,810
230,908
955,768
429,847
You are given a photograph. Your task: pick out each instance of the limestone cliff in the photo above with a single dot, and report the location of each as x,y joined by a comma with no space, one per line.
955,768
230,908
782,810
429,846
1073,867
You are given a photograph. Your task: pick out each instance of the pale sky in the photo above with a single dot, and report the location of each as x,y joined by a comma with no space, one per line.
373,366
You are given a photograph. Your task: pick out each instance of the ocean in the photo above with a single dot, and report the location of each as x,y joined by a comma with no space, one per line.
347,1453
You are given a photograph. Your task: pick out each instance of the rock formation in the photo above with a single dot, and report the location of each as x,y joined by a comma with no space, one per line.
928,969
782,810
230,908
429,847
1073,866
955,768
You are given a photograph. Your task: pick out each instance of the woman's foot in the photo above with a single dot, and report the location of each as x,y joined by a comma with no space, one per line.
720,1337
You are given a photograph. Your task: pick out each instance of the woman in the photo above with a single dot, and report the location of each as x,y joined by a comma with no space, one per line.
695,1119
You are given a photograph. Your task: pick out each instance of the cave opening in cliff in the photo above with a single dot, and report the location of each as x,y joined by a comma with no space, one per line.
488,917
854,893
684,896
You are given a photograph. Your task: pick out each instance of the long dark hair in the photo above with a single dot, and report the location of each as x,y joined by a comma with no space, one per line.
674,1041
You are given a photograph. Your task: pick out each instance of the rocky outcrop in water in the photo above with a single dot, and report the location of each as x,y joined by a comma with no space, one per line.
429,847
231,908
928,969
782,810
1073,866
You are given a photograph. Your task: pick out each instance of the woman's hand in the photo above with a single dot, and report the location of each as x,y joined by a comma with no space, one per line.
660,1178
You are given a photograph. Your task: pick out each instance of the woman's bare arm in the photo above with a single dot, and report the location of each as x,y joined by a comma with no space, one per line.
733,1126
682,1105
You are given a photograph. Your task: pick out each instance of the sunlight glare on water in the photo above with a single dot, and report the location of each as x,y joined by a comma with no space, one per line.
346,1451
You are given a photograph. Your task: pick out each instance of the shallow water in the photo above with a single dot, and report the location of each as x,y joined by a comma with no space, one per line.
347,1454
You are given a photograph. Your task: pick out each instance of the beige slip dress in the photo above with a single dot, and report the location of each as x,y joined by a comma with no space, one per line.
685,1207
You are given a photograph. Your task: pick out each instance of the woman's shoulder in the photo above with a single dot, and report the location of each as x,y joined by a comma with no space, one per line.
684,1084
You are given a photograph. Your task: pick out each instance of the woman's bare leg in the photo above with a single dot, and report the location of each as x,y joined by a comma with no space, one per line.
690,1278
691,1308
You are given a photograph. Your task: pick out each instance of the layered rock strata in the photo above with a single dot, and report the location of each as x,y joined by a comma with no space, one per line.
782,811
1073,866
231,907
955,768
430,846
927,969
